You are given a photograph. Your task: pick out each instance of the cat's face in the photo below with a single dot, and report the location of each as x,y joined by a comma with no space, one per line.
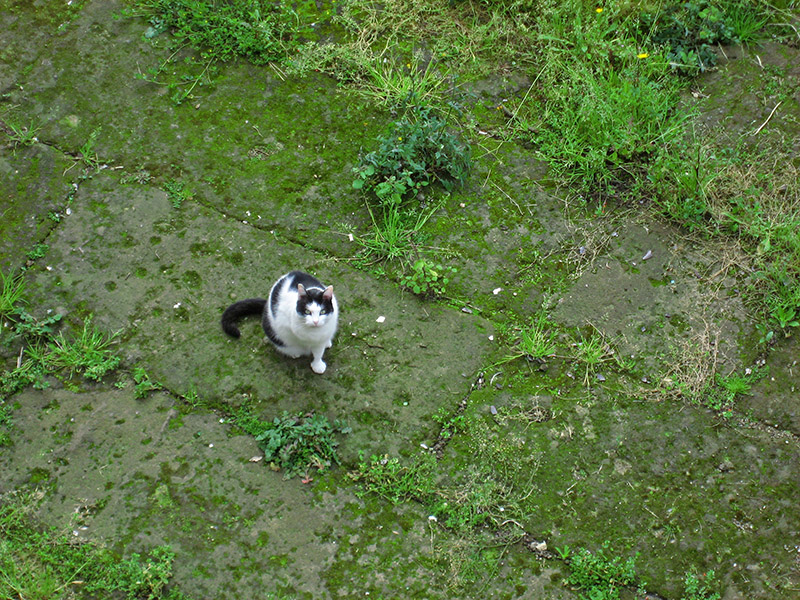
315,306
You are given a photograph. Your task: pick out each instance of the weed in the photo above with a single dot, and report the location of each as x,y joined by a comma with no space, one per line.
11,294
143,384
418,151
296,444
30,371
720,396
427,278
87,353
395,482
21,135
697,587
450,423
38,251
599,576
592,351
412,84
147,578
176,192
746,20
682,175
689,30
395,235
87,153
597,110
257,30
29,326
538,340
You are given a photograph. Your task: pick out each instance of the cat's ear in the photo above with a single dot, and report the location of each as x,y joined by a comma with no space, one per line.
328,293
301,291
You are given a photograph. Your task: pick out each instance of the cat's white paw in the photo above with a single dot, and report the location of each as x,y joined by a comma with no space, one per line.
318,367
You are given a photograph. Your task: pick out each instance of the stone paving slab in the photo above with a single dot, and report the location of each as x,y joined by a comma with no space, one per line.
162,277
133,474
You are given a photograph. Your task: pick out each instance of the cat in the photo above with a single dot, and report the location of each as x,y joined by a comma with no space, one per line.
300,317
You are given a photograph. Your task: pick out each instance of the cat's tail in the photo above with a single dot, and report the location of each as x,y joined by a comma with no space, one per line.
237,310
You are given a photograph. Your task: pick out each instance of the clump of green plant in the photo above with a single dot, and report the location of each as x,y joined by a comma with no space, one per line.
147,578
21,135
143,385
689,31
451,423
87,153
11,294
597,575
599,109
427,278
419,150
591,351
296,444
535,341
698,587
257,30
30,327
87,353
176,192
720,396
37,562
396,482
38,251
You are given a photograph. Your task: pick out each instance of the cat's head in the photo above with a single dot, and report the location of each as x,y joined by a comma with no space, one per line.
315,306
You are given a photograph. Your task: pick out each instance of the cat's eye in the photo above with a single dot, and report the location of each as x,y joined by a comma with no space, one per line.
308,311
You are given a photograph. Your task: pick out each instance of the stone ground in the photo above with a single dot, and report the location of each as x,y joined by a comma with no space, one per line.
592,456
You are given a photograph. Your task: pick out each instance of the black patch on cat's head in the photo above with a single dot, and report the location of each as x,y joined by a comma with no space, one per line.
314,295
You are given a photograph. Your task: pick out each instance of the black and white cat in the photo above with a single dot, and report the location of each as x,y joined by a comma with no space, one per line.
300,317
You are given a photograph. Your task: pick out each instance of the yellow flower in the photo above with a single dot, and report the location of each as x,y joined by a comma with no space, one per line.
642,55
598,10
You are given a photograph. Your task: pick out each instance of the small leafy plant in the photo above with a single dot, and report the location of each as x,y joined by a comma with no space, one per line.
419,150
143,384
599,576
427,278
698,587
296,444
38,251
176,192
689,30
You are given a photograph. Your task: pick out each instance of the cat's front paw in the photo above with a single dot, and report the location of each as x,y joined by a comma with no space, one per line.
318,367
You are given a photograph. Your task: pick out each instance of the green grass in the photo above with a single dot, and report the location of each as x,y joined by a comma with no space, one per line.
11,294
87,353
21,135
41,563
